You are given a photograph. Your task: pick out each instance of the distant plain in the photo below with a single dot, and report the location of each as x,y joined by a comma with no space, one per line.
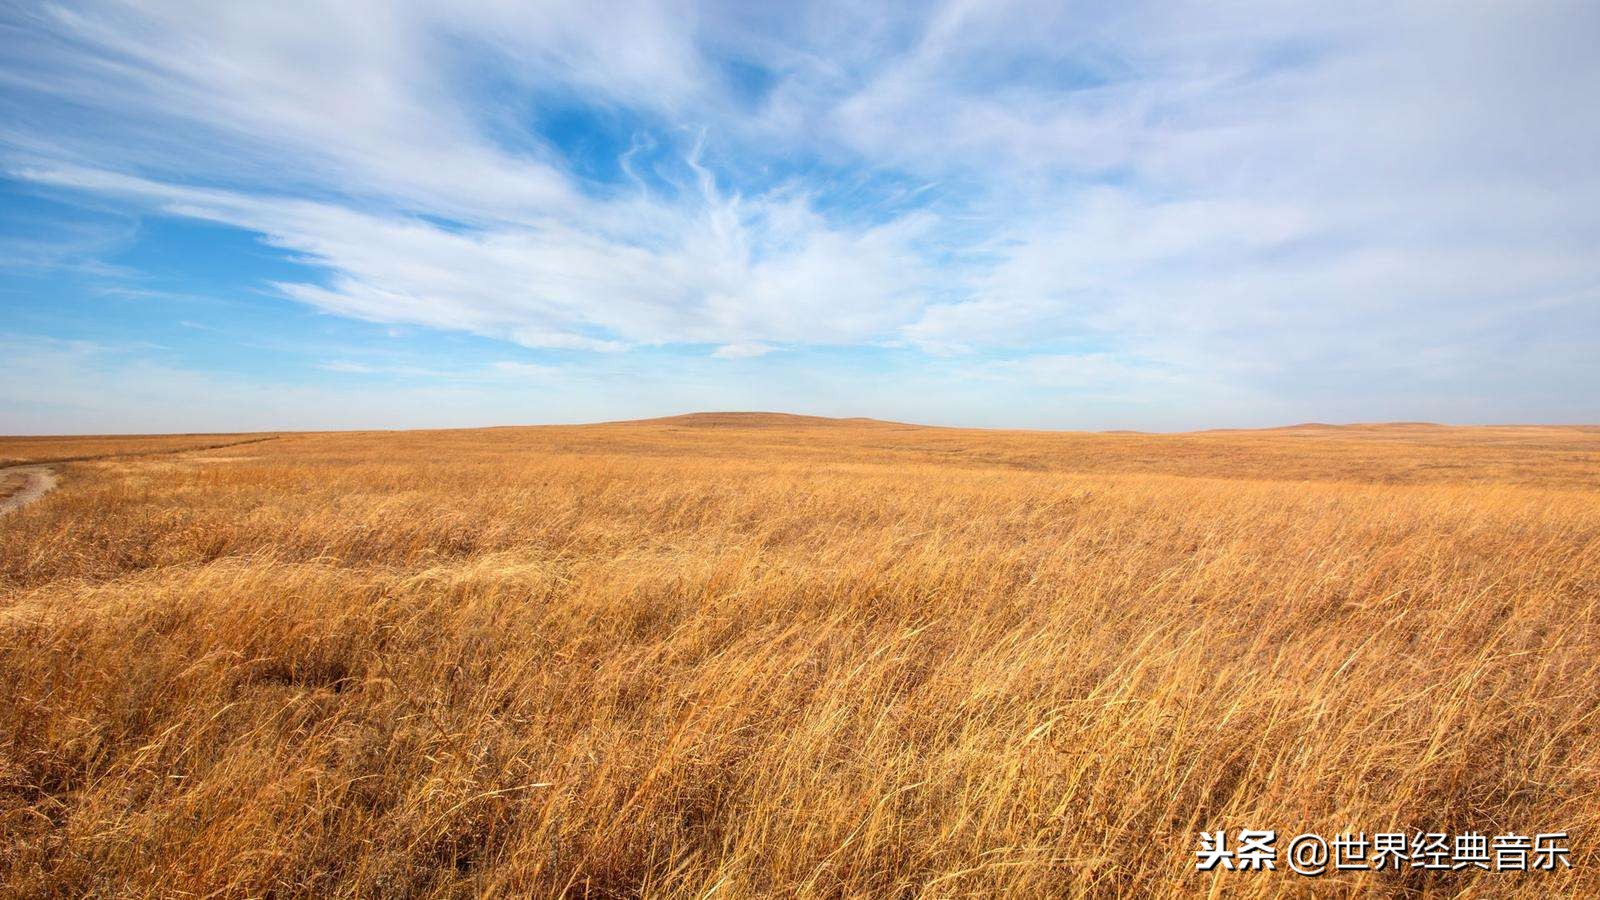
755,654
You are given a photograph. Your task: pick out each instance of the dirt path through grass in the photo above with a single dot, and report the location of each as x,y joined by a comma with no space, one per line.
39,478
36,482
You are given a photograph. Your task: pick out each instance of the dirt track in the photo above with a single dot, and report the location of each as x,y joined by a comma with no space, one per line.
39,478
36,482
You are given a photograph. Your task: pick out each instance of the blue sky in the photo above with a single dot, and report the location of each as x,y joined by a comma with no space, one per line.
1118,215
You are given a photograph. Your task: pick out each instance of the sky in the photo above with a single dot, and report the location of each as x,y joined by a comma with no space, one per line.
1164,216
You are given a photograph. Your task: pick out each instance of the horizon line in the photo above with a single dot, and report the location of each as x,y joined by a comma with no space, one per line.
834,420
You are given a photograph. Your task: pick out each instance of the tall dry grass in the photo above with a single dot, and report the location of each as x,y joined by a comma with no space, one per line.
757,657
75,448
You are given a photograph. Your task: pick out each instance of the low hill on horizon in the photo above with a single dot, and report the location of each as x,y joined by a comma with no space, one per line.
770,419
757,419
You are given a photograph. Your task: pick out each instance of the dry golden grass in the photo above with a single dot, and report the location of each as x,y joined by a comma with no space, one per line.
761,656
23,450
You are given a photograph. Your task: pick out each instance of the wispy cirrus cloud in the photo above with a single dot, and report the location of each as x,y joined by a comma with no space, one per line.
733,270
1385,207
744,350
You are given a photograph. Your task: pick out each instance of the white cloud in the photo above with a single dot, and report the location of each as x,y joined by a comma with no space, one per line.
548,340
525,370
746,350
734,270
1291,200
350,367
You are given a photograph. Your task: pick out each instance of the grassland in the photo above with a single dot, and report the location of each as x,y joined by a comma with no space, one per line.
758,656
